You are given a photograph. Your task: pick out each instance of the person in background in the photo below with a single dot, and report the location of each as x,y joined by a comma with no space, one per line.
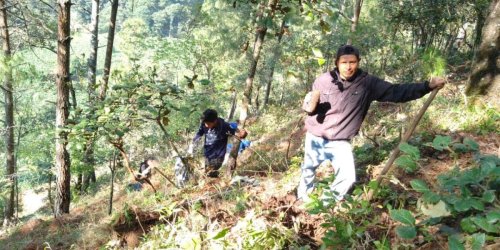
145,169
144,175
336,107
216,132
244,144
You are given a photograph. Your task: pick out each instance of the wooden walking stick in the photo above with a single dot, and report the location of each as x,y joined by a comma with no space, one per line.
405,138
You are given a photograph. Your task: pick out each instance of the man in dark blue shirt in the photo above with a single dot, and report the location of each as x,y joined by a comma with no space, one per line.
216,132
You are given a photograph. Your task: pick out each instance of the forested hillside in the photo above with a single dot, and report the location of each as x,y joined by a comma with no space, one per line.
95,89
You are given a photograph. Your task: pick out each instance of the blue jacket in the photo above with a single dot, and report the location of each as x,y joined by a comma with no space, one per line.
215,138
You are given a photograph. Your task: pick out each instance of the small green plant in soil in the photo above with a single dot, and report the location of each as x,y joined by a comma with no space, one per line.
346,221
467,195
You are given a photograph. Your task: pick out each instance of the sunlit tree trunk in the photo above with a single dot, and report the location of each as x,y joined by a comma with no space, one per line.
481,12
233,106
276,57
355,19
257,100
9,117
112,168
109,50
94,43
88,158
260,34
63,194
49,194
485,77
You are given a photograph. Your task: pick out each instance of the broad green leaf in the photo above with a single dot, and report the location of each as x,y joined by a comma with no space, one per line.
434,210
468,225
471,176
221,234
477,241
405,162
454,243
410,150
419,186
402,215
317,53
119,133
460,148
488,165
431,197
477,204
348,231
471,144
489,196
462,205
373,184
406,232
483,224
321,61
204,82
493,216
441,142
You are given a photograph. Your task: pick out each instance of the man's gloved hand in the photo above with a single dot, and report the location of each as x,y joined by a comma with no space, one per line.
311,101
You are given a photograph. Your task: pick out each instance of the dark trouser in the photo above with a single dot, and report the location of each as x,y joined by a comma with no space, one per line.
212,166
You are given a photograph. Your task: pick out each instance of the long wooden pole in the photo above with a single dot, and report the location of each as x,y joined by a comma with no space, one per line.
405,138
166,177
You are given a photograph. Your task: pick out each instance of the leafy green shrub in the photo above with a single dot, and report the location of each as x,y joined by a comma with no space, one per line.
408,230
343,229
468,195
409,159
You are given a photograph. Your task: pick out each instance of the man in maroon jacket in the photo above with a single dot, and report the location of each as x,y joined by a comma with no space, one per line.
345,94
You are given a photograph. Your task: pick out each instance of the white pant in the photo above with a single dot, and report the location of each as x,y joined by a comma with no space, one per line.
317,150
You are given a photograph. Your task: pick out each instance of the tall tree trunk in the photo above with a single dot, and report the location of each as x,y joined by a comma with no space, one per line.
109,50
79,181
355,19
282,95
257,47
18,143
112,168
480,19
49,193
485,76
276,57
94,43
88,158
257,101
233,106
63,194
9,117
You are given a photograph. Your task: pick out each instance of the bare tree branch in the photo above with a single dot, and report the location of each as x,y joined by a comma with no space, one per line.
48,5
346,17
